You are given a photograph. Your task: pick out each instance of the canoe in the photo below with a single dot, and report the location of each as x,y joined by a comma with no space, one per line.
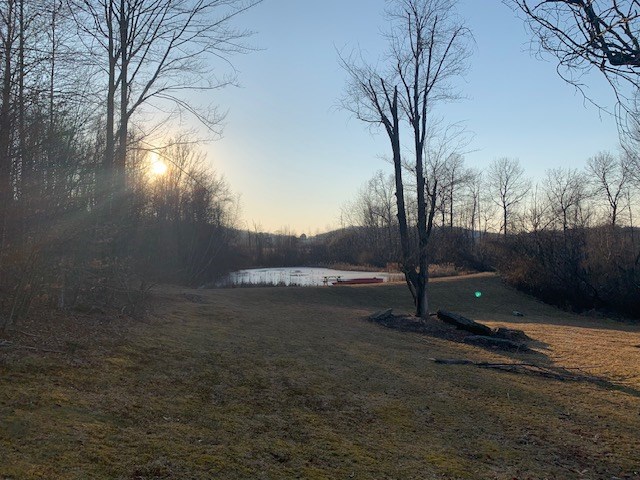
359,281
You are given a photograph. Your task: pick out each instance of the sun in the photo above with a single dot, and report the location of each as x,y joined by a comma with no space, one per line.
157,167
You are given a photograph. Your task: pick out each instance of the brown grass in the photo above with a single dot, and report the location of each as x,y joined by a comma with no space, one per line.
293,383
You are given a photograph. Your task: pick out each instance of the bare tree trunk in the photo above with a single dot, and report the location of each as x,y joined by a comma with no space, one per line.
408,267
422,303
6,193
105,177
22,157
121,156
504,220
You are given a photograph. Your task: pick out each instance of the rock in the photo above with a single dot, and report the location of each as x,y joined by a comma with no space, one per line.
464,323
381,315
493,342
510,334
5,343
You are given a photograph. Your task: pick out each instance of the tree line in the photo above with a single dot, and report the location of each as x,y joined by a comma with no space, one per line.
571,238
428,47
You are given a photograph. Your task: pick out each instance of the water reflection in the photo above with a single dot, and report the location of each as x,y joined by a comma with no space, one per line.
299,276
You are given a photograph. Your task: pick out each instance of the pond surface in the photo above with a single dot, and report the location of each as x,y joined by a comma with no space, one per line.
299,276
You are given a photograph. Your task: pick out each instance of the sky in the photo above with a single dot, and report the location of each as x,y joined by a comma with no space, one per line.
296,158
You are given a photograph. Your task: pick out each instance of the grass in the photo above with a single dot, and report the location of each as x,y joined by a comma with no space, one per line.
292,383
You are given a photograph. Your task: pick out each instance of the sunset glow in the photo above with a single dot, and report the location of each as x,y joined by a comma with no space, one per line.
157,166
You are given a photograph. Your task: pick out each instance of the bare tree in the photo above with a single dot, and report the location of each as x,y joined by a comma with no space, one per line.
152,51
611,178
472,192
585,35
428,49
9,39
566,191
537,217
508,186
374,212
451,175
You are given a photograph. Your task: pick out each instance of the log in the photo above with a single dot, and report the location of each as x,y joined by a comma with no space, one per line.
464,323
501,343
513,335
528,368
453,361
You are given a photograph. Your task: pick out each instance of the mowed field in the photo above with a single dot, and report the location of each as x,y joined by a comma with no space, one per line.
270,383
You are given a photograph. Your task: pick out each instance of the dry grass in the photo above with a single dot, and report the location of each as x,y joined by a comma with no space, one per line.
292,383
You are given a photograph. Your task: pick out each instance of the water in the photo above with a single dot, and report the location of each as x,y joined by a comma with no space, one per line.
299,276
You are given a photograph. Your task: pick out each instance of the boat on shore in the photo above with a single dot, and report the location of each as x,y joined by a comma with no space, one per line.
358,281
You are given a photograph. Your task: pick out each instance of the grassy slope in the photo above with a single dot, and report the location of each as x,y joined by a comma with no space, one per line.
292,383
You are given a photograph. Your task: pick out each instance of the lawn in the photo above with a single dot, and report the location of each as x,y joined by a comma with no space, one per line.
271,383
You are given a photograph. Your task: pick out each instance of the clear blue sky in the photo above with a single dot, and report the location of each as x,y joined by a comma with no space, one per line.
295,158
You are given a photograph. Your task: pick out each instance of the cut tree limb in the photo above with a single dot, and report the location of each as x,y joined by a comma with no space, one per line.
501,343
529,368
464,323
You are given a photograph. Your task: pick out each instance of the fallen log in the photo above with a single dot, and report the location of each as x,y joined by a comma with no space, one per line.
501,343
453,361
522,368
510,334
464,323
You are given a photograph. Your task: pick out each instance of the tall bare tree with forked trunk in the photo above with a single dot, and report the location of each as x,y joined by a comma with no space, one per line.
428,49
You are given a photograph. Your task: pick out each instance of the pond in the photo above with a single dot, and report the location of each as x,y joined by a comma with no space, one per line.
300,277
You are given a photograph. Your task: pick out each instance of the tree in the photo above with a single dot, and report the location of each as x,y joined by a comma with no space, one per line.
566,191
610,179
473,202
374,213
584,35
508,187
428,49
450,175
9,39
153,51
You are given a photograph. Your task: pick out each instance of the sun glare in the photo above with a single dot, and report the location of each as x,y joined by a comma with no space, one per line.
157,167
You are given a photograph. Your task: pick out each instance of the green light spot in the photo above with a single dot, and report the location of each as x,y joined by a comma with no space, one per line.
478,294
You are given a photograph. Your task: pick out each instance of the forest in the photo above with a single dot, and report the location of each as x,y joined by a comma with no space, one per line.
99,196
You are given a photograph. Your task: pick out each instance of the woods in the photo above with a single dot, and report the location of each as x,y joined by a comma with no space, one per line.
571,238
84,219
